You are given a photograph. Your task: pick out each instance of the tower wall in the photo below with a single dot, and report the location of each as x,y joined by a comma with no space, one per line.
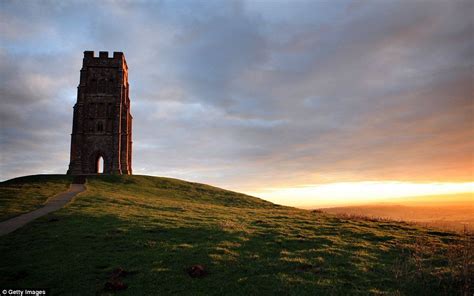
102,123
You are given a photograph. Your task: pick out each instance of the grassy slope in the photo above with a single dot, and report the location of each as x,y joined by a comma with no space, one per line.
24,194
157,227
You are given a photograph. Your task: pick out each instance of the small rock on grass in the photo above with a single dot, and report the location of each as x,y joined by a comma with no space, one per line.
115,285
196,271
118,272
308,268
115,282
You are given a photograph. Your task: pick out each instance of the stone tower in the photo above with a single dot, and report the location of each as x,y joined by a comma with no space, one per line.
102,123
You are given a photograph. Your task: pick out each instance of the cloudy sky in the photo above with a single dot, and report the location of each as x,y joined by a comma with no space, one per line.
255,96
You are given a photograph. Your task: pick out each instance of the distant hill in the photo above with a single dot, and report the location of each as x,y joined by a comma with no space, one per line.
450,212
147,235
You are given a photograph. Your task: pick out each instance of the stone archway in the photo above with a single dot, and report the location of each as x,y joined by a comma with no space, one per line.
99,163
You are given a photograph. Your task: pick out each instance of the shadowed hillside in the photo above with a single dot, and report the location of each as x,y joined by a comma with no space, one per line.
147,235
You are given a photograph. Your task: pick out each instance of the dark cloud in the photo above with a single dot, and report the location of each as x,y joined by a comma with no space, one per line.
248,95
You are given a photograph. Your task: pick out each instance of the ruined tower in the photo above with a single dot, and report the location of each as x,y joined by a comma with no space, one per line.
102,123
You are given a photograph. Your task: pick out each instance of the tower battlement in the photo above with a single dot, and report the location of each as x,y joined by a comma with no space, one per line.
103,54
117,59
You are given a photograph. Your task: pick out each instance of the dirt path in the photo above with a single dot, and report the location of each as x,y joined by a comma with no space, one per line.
51,205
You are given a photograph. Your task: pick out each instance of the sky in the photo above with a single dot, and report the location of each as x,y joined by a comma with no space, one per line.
280,99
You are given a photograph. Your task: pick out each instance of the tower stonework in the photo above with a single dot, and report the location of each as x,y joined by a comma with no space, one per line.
102,123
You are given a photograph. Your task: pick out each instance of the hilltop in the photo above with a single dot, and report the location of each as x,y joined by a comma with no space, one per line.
147,233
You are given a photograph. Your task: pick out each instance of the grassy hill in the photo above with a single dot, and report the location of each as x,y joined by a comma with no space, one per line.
21,195
148,232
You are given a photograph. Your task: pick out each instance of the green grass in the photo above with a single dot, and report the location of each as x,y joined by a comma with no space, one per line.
155,228
24,194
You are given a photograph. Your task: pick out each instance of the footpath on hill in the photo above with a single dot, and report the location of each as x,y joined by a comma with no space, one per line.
51,205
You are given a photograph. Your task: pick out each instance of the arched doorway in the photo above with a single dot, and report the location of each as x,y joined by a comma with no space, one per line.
100,165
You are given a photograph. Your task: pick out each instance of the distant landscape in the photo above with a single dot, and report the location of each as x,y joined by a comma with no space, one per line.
448,212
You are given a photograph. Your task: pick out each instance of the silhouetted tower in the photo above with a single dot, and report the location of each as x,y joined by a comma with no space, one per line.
102,123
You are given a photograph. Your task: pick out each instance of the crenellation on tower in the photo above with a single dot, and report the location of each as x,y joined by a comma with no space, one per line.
102,123
88,54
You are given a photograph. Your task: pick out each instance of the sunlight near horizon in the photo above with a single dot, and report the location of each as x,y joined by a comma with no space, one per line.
352,193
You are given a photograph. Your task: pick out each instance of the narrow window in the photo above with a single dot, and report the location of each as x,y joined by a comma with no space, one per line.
102,86
101,110
100,127
111,86
93,86
110,110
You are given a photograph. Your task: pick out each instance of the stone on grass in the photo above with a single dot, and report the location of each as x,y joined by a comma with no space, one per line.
197,271
308,268
115,285
115,280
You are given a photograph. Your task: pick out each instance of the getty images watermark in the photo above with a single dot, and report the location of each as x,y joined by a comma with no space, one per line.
22,292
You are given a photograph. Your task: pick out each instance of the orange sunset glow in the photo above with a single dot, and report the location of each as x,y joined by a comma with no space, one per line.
357,193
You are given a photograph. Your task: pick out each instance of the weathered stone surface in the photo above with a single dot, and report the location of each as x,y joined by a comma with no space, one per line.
102,123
